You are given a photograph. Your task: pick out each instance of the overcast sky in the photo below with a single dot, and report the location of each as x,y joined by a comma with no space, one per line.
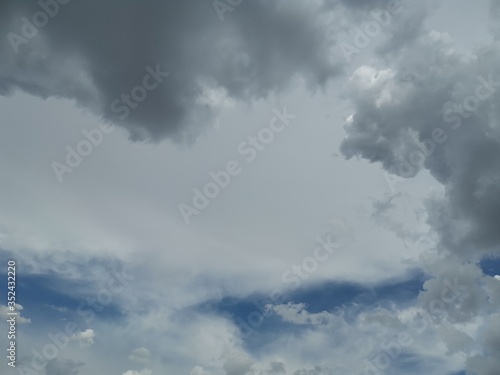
250,187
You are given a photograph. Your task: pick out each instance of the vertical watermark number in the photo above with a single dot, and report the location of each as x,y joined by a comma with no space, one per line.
12,313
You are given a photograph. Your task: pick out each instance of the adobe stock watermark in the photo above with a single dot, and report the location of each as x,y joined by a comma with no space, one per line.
391,351
223,6
454,114
369,30
29,29
59,341
122,107
220,180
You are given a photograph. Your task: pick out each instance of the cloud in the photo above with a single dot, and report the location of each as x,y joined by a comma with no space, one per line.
142,372
487,362
435,108
58,308
276,367
397,103
317,370
141,356
187,39
237,364
63,367
464,282
436,121
84,338
5,310
198,370
297,314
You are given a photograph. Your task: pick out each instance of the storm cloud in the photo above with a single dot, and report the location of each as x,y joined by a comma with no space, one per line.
443,117
93,52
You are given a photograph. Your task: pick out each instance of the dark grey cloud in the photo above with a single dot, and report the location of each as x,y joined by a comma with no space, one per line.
424,99
93,52
427,105
405,27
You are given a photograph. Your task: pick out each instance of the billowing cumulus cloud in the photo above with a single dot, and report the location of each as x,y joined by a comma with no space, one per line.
444,118
190,55
435,107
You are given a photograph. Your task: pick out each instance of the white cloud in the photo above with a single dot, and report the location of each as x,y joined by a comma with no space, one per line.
84,338
297,313
58,308
142,372
4,310
141,356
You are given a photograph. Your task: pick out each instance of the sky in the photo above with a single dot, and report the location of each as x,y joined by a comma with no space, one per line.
250,187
